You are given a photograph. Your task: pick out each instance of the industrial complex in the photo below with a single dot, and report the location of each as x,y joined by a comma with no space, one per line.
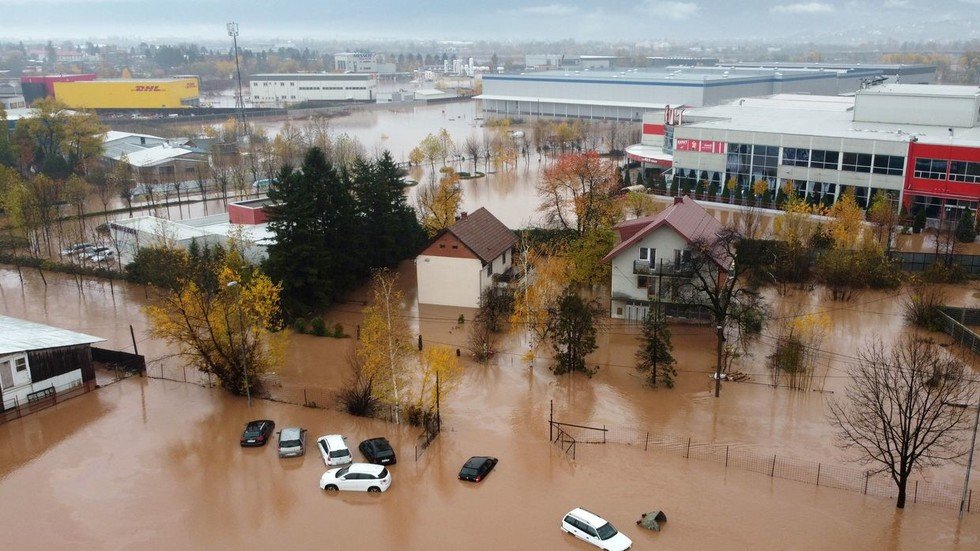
284,89
921,143
626,95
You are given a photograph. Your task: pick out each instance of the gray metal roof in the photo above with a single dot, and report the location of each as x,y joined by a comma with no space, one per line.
17,335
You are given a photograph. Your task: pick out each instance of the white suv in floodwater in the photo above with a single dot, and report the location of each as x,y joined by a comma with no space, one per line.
334,450
594,529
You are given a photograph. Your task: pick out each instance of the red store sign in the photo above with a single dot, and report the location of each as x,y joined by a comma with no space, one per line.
703,146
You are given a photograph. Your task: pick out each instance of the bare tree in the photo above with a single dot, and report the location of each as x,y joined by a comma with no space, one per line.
947,245
716,285
900,411
471,147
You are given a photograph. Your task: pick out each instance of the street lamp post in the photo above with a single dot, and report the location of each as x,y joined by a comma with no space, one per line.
241,326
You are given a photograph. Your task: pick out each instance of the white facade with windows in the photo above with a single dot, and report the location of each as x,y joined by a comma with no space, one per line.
286,89
810,141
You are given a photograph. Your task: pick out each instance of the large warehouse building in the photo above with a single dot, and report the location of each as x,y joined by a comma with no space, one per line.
628,94
919,142
85,92
285,89
895,73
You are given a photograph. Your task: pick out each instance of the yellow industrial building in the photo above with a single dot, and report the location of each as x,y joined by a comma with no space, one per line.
155,93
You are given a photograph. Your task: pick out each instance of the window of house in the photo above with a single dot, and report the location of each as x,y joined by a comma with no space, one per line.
642,282
857,162
820,158
490,269
963,171
20,364
647,254
505,257
619,310
793,156
442,245
889,164
931,169
455,246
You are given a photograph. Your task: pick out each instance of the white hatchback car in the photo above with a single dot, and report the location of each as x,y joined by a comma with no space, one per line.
357,477
334,450
594,529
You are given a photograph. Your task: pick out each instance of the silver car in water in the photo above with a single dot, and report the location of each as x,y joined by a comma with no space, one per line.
292,442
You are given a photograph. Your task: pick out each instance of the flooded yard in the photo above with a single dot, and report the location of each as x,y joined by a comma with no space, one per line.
156,465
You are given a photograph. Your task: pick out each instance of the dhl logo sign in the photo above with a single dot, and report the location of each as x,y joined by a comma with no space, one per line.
153,88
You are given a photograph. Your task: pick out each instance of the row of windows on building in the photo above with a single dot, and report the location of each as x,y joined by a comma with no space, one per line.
333,88
324,88
761,161
942,169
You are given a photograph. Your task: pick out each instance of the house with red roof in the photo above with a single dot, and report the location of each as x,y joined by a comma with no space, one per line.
464,259
652,261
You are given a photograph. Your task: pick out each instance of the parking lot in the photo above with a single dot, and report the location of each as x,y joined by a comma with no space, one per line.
161,468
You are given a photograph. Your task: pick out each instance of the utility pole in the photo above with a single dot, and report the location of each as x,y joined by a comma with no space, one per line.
239,98
969,461
721,344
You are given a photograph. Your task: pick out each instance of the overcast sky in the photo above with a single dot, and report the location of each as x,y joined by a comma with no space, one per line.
607,20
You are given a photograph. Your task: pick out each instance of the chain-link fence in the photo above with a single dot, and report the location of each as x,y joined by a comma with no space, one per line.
743,457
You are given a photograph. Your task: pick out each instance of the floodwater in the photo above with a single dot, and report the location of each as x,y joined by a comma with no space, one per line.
156,463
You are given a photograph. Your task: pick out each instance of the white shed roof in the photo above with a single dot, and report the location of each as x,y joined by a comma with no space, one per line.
155,155
17,335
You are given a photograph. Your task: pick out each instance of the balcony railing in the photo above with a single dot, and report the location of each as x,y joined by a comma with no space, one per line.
645,267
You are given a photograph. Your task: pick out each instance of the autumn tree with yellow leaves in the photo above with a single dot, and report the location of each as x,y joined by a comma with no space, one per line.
439,203
230,330
845,227
385,347
440,373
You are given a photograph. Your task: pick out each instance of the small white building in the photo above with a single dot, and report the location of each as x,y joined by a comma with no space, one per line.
37,361
130,234
464,260
285,89
652,262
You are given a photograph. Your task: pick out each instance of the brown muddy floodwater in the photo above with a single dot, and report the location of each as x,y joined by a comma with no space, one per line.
155,464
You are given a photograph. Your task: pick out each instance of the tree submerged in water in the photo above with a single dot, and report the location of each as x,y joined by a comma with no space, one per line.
655,354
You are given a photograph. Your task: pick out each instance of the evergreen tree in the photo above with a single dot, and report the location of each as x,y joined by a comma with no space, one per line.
966,228
639,179
626,178
314,254
654,355
572,331
919,221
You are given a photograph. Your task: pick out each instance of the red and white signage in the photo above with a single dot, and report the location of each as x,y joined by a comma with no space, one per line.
702,146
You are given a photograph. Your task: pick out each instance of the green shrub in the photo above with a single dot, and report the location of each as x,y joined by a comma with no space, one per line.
319,327
338,331
299,325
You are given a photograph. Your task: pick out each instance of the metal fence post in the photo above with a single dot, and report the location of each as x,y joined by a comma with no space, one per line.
603,434
818,474
969,500
726,456
551,422
772,471
688,453
915,493
647,443
867,478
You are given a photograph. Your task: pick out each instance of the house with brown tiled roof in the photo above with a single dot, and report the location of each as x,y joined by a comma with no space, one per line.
464,259
652,261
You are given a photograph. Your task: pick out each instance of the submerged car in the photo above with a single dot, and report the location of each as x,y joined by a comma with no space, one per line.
378,451
334,450
292,442
477,468
257,433
357,477
592,528
77,249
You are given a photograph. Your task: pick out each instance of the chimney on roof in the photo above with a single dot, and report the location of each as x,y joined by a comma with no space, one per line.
678,200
